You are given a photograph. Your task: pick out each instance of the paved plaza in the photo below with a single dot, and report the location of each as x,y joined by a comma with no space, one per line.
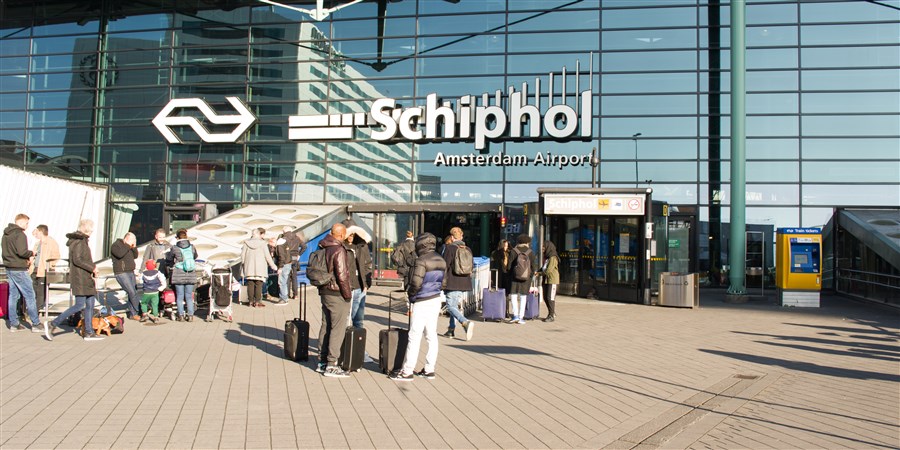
605,375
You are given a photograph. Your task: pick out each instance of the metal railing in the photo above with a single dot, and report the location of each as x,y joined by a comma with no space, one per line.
875,286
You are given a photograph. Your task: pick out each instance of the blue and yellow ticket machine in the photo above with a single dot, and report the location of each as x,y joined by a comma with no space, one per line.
798,266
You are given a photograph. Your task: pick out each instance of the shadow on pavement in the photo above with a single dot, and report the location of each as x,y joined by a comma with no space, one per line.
250,334
807,367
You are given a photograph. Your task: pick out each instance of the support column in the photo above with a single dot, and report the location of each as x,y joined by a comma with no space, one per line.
737,243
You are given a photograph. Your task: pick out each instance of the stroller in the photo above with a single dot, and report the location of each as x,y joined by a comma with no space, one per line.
221,285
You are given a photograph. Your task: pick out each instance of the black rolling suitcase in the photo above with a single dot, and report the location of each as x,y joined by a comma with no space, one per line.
392,342
296,333
353,350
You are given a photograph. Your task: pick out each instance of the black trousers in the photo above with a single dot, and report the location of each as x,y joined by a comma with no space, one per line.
254,291
39,283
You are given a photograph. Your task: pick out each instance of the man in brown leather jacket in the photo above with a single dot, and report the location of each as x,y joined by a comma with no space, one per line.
335,298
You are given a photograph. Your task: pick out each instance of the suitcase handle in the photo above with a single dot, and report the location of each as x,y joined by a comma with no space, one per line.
495,279
391,304
303,308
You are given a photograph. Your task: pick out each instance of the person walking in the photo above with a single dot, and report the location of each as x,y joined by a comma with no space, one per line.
335,297
283,262
550,272
424,292
499,262
256,262
296,244
154,282
521,268
18,259
123,253
457,286
46,255
82,275
181,259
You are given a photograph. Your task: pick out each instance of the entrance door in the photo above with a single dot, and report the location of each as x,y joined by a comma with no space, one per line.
480,229
390,230
625,249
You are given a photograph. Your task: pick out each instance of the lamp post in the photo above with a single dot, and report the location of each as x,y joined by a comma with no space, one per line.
634,138
594,163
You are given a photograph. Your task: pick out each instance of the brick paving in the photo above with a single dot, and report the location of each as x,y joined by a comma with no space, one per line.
605,375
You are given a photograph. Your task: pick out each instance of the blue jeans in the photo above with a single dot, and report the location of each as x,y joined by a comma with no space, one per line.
453,300
283,279
129,285
20,285
358,307
82,303
184,292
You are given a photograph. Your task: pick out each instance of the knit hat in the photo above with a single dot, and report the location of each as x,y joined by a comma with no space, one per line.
150,264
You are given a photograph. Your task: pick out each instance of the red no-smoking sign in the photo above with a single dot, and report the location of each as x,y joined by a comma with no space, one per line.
634,204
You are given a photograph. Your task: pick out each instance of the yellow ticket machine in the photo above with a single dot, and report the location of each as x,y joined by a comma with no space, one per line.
798,266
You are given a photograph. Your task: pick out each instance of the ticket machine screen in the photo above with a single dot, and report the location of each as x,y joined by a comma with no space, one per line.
805,257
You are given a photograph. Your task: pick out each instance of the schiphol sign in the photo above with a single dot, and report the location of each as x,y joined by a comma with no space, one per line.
470,119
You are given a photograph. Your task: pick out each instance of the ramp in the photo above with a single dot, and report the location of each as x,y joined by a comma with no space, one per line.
218,241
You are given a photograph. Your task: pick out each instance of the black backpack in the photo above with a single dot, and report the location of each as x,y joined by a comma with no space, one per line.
522,267
317,269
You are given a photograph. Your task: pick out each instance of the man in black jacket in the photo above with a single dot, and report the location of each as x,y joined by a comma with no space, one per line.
17,258
404,257
457,286
82,272
335,298
123,253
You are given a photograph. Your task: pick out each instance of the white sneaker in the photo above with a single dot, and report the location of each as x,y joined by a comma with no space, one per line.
470,328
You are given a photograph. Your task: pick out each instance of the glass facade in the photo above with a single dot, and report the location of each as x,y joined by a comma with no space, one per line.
80,83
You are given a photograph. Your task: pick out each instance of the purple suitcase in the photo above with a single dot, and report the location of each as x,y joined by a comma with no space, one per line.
493,301
533,301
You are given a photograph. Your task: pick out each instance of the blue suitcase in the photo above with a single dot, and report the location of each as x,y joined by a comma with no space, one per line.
493,301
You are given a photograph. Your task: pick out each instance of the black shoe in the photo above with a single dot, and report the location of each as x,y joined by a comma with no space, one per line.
179,318
450,334
549,319
422,373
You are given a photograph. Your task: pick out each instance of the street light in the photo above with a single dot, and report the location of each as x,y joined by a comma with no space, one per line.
634,138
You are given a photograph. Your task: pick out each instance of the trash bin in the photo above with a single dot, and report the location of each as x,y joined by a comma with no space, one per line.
679,289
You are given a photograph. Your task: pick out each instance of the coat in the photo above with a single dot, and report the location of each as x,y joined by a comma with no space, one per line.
516,286
179,276
123,256
256,259
426,277
551,270
15,248
337,262
81,265
49,255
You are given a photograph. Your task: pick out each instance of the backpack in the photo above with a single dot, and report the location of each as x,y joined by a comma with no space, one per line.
462,261
522,268
317,269
187,259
